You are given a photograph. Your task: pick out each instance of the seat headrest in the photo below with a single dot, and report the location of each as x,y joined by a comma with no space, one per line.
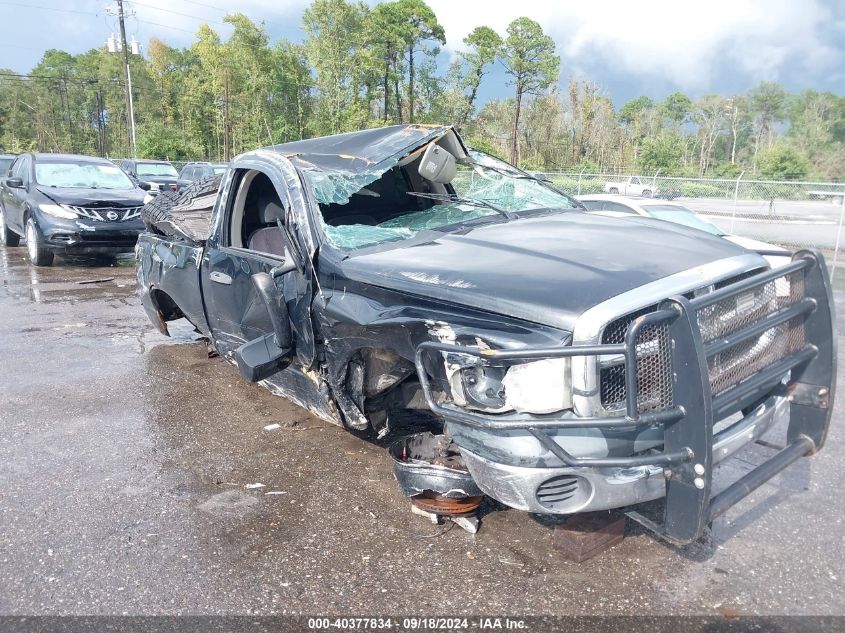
271,212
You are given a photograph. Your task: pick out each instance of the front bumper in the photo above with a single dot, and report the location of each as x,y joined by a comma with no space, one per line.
84,236
593,489
692,443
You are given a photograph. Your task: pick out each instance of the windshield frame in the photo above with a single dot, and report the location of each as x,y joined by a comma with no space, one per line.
130,185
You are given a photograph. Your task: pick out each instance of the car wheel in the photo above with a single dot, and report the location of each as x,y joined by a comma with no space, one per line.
7,236
39,254
614,190
647,193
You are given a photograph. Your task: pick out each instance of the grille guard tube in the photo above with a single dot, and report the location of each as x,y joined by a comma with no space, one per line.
688,424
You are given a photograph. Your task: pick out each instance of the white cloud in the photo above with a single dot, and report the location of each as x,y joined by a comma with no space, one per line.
695,46
680,41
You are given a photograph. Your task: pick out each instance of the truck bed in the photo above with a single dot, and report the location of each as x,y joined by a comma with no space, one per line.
169,280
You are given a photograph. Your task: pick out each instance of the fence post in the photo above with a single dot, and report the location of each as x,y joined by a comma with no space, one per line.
736,196
838,237
579,181
654,180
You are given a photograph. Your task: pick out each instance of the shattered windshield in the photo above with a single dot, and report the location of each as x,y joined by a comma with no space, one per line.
397,203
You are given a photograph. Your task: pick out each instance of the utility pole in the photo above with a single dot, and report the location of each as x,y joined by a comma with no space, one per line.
130,108
227,127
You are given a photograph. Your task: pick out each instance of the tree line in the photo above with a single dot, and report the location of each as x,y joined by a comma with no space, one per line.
361,66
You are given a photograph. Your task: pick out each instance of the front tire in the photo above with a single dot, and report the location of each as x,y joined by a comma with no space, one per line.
39,254
613,190
7,236
647,193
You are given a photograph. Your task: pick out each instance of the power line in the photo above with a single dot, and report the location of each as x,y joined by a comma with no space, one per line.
34,6
82,80
207,6
171,11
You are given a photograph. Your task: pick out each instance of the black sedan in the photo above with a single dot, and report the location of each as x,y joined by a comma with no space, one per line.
158,173
193,172
67,204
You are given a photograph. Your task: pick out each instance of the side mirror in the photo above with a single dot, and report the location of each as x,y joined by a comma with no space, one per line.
438,165
145,185
14,183
262,357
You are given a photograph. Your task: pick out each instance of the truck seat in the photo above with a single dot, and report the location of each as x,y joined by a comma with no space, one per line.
268,238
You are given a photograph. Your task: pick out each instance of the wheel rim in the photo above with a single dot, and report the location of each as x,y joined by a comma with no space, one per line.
31,248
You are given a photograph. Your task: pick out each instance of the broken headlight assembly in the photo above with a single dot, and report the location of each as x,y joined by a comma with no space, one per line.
537,387
58,211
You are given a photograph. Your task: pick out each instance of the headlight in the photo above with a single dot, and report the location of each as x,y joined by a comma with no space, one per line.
542,386
58,211
148,198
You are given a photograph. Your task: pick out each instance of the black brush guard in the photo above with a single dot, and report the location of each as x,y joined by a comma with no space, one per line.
688,424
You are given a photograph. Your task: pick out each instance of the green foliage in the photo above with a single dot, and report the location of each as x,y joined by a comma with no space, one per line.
783,162
634,109
156,140
529,57
676,107
662,152
333,43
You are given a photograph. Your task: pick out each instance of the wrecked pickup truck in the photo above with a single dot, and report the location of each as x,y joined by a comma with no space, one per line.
578,362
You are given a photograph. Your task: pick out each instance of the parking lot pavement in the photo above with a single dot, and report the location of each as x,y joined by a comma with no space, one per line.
130,465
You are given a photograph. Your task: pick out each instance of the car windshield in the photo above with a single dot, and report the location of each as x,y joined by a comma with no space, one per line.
156,169
400,204
680,215
81,176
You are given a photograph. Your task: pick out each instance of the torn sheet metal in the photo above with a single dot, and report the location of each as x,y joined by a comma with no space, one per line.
428,463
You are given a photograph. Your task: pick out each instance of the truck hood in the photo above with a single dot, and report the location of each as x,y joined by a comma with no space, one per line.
94,197
547,269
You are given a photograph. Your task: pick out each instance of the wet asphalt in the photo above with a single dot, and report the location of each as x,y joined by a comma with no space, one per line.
129,472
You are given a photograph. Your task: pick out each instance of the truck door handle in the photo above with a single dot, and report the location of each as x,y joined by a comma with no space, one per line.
220,278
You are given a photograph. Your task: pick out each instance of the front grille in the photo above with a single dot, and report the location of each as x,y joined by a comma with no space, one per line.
727,368
106,214
654,367
745,359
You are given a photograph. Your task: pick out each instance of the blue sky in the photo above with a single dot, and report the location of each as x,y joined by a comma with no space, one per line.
650,47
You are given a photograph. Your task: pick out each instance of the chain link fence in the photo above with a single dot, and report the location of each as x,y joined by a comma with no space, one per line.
793,214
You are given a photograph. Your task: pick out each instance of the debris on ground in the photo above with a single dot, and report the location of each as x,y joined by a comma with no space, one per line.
95,281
